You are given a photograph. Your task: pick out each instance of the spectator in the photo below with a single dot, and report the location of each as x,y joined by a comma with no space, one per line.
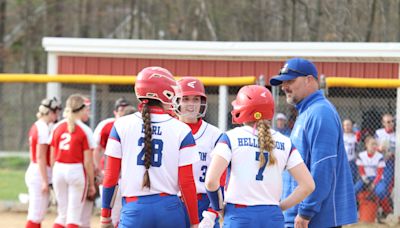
317,135
281,124
350,144
370,165
386,138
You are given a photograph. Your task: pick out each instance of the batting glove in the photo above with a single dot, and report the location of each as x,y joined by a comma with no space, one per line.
208,220
105,219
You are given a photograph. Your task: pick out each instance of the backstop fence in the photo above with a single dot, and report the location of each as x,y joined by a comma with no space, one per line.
363,101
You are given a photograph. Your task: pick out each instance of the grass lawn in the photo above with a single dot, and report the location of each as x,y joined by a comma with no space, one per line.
12,183
12,176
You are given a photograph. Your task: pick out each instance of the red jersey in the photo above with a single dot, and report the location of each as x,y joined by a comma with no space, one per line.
102,132
38,134
69,147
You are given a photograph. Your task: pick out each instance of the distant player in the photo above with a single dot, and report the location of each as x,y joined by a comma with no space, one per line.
38,175
101,134
72,144
257,156
350,141
371,164
153,153
191,106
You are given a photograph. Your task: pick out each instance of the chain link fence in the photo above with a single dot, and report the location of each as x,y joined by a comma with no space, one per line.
364,107
370,148
21,101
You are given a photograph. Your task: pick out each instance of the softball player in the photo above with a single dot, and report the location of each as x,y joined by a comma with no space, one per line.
101,134
371,164
191,106
257,156
153,152
72,143
38,175
350,145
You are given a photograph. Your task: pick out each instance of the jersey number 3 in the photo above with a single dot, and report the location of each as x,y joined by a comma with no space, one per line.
156,147
259,175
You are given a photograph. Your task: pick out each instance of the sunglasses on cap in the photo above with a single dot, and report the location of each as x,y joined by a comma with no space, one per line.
52,104
286,70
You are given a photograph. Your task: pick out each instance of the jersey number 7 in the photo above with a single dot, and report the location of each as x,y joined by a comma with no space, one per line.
259,175
156,155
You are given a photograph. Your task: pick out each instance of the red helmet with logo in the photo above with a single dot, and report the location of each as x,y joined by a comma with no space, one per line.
155,83
252,103
190,86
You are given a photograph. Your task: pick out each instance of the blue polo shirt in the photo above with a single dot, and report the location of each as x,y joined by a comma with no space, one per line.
317,135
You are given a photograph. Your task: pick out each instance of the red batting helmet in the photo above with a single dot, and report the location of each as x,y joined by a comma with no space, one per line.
155,83
190,86
252,103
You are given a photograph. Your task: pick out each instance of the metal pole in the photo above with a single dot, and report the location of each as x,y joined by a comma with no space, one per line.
223,107
275,94
93,110
396,199
53,89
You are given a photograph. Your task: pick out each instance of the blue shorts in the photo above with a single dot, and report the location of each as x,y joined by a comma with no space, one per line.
203,205
238,216
153,211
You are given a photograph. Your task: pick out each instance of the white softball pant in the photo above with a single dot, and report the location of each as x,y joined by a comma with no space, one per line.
38,201
69,183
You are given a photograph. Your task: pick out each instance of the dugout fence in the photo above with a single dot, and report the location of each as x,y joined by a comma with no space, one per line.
364,101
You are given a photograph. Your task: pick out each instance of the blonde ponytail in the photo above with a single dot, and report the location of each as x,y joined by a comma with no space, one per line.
266,143
74,104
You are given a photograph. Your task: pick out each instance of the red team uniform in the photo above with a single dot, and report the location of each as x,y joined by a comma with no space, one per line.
38,175
38,201
69,175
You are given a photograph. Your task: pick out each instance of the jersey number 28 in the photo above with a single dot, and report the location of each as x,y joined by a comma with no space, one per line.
156,147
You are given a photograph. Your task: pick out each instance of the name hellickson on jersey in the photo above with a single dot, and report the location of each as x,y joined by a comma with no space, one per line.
155,130
253,142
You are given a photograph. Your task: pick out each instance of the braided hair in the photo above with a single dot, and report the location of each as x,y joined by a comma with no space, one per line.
266,143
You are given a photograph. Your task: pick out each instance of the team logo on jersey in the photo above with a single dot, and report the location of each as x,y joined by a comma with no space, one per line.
191,84
257,115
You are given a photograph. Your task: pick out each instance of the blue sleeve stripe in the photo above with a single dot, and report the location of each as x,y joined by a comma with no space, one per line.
188,141
114,134
107,196
217,140
291,150
225,139
187,146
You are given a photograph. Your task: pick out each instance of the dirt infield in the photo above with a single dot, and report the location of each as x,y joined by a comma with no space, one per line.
17,220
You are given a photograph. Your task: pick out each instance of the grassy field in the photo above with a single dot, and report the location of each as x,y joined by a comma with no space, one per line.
12,176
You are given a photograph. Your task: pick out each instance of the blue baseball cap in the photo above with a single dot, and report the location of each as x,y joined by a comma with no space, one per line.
293,68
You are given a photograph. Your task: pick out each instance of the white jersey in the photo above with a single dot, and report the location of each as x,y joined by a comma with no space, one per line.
173,146
371,164
248,183
387,140
350,145
206,138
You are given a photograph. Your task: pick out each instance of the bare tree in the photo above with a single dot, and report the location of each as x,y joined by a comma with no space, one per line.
371,21
3,4
2,61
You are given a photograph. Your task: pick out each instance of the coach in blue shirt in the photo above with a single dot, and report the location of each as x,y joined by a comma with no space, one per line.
318,136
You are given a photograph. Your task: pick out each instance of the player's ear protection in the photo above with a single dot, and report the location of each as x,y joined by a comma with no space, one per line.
252,103
188,86
155,83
